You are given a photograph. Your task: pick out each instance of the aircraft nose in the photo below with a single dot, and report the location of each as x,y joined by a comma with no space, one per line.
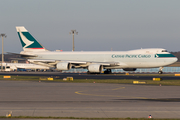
175,59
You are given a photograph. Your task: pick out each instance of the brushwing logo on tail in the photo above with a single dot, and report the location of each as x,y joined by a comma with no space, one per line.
28,42
25,40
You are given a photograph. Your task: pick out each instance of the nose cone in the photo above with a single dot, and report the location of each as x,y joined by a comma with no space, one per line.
171,60
175,59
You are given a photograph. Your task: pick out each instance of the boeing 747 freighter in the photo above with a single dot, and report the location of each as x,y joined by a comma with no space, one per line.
96,61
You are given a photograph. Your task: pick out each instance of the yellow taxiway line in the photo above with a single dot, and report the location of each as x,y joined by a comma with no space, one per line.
81,93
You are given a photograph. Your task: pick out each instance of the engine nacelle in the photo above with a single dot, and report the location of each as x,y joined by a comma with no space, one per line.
63,66
129,69
95,68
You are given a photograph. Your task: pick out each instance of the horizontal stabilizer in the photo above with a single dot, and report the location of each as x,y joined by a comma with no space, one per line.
22,55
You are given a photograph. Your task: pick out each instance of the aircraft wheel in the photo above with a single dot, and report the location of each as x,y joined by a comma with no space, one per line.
108,71
160,72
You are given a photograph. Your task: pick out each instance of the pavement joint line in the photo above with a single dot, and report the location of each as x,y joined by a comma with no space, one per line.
104,113
34,112
118,88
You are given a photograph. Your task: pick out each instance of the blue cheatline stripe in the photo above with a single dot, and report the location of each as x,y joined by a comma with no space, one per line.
164,55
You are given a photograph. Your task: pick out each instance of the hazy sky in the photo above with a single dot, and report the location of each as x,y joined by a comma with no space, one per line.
101,24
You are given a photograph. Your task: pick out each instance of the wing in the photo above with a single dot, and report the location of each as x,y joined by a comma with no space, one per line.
74,64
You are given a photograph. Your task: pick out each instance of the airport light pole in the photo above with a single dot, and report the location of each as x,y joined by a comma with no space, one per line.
73,32
2,35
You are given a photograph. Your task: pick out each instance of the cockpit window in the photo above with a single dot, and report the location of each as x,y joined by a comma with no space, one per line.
164,51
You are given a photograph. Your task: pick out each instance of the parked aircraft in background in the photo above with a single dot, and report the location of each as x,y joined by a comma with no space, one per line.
16,66
96,61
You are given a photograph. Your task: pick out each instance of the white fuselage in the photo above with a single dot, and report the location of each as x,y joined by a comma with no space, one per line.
141,58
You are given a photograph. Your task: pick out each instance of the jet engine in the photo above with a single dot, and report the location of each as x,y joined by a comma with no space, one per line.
95,68
63,66
129,69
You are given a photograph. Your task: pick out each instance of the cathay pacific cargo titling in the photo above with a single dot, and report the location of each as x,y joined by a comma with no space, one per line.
95,61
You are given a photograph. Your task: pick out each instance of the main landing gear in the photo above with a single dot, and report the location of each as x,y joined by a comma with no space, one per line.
107,71
160,70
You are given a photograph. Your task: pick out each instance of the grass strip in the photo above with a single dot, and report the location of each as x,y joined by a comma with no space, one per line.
50,117
115,81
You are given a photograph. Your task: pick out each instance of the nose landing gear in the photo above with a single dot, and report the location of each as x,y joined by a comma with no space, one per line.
160,70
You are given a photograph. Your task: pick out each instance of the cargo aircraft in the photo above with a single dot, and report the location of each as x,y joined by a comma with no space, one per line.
94,61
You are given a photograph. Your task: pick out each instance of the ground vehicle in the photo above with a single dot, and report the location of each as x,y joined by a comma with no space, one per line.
6,68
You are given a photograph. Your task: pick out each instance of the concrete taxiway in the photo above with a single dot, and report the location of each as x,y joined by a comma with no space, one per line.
94,76
90,100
